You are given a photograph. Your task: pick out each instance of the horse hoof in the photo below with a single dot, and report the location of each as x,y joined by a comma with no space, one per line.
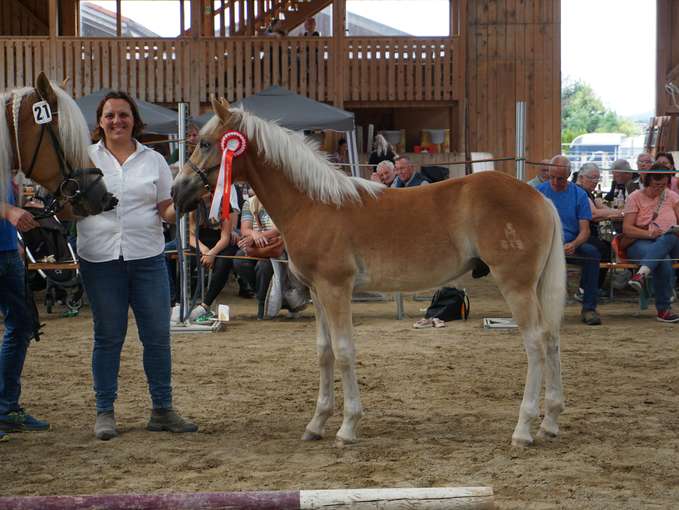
311,436
341,442
522,442
547,435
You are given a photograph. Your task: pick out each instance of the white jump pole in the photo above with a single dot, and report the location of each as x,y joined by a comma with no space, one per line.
455,498
521,140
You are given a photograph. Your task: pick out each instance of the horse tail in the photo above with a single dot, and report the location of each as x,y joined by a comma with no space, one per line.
552,284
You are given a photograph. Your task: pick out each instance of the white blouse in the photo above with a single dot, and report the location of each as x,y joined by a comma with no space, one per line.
133,229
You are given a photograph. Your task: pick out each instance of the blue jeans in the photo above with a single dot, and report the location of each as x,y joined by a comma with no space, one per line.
651,253
112,287
589,258
17,329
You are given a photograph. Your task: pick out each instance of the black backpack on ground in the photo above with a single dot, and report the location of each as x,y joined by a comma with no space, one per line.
448,304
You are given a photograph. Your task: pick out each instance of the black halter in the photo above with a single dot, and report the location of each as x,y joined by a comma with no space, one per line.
69,189
202,172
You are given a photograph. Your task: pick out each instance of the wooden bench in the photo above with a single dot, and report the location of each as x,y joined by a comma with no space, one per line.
52,266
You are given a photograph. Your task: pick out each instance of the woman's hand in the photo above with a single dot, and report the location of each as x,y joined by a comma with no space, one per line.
259,239
654,231
245,242
208,260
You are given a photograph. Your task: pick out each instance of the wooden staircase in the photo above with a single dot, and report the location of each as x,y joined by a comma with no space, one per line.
253,17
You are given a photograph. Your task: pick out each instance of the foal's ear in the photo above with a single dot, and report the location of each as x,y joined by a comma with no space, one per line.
221,108
44,88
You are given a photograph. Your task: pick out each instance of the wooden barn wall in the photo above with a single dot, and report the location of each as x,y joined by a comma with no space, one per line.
514,54
667,39
24,17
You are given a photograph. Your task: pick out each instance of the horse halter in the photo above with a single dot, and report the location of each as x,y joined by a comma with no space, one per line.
202,172
70,187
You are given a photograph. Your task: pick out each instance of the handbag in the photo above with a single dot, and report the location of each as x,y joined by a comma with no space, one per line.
273,250
621,241
449,304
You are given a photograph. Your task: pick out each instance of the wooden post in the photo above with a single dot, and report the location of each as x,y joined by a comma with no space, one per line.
68,17
194,51
119,18
339,9
664,23
207,21
53,26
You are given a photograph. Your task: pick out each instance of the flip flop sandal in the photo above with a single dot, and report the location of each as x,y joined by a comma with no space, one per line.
423,323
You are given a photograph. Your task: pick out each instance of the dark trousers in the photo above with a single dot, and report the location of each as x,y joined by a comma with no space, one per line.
256,273
588,259
17,329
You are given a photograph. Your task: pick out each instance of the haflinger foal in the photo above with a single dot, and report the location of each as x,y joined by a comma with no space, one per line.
345,233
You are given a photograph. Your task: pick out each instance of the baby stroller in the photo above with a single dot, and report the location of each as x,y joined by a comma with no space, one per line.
49,243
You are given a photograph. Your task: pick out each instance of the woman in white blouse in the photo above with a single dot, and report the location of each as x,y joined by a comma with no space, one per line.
122,264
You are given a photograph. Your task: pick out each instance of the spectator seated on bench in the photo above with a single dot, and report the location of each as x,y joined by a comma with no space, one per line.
273,285
588,178
573,207
650,214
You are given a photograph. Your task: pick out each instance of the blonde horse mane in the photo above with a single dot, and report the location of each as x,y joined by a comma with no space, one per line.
300,159
73,131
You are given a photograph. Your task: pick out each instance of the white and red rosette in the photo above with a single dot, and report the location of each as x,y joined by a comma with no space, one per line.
233,144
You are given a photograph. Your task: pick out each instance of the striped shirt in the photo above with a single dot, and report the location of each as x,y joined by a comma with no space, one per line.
263,222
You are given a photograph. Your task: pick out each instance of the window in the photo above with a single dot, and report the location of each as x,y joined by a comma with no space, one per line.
398,18
138,18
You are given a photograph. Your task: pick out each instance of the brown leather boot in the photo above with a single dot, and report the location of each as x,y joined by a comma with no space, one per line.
168,420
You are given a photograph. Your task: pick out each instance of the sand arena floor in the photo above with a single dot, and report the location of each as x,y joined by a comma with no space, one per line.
440,407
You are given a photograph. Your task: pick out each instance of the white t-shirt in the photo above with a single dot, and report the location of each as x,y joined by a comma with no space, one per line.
133,228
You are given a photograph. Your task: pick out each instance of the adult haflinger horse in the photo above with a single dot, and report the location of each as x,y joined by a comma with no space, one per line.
343,233
56,158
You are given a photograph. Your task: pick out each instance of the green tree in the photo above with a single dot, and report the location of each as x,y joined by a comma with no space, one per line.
583,112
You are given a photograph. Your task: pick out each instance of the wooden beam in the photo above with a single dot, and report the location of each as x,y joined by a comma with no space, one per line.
119,19
68,17
53,23
207,21
339,9
196,18
53,19
664,23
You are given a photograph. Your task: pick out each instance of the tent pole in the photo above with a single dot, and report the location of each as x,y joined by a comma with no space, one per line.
183,224
353,153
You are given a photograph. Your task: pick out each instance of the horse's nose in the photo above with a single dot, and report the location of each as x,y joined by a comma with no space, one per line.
109,202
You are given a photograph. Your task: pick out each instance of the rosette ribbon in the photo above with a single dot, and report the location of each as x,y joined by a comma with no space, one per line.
233,144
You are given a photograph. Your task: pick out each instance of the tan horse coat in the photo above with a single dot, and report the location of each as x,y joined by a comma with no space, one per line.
400,239
21,144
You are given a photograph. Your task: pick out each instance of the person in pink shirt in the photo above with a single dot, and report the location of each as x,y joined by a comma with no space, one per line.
650,215
667,160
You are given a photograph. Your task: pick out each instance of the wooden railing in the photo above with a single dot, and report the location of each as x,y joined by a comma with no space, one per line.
193,70
399,69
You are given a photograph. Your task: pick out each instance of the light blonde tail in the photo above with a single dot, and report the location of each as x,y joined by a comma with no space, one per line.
552,285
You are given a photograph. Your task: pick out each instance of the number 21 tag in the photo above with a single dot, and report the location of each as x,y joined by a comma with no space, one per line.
42,113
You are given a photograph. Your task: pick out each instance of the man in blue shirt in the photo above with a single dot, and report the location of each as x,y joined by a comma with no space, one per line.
406,176
573,207
17,320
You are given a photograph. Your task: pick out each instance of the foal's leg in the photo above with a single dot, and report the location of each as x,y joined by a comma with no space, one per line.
526,313
336,304
326,361
554,400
